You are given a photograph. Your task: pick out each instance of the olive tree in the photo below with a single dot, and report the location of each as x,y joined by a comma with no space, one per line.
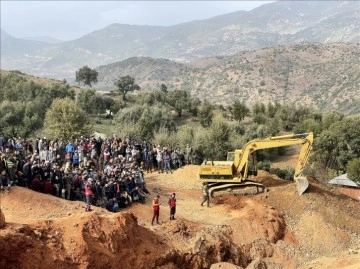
205,114
66,120
216,143
126,84
86,75
239,110
353,170
178,100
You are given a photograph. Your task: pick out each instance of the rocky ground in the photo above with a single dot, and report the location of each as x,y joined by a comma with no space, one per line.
276,229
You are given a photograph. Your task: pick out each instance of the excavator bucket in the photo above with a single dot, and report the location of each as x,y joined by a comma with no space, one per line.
302,184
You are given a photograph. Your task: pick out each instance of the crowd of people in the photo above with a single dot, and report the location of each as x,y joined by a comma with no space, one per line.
106,172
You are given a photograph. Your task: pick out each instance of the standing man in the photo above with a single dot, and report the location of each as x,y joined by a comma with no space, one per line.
156,209
2,142
205,191
188,153
172,204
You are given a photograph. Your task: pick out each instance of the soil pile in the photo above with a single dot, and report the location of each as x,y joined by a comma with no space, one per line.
2,219
277,229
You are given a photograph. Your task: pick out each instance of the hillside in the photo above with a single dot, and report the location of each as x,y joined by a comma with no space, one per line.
277,229
46,82
277,23
323,76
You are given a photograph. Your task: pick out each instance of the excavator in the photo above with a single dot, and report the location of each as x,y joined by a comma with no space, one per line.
237,175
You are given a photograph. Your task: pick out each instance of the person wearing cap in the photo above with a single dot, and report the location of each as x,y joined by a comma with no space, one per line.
156,209
88,194
205,191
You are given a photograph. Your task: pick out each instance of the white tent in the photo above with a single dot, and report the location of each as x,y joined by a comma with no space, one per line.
343,180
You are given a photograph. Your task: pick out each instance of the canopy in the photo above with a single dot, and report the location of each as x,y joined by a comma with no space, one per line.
343,180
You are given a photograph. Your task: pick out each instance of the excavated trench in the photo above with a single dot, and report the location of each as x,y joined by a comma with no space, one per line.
117,241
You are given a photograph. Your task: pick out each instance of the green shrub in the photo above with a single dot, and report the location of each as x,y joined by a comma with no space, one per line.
353,170
264,165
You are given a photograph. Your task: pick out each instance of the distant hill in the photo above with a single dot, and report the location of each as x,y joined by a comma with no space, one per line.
323,76
277,23
47,39
12,47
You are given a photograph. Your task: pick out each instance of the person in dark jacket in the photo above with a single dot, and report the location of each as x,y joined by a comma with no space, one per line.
112,205
4,181
27,173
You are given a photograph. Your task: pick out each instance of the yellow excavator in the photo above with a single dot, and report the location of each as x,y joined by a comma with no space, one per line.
237,175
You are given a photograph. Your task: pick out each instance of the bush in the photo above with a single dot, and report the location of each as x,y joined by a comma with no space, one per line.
286,174
164,138
128,130
353,170
264,165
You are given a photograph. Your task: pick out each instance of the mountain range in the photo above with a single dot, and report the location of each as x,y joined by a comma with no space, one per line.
322,76
270,25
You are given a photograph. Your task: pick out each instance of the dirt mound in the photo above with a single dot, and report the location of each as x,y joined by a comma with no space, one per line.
59,232
277,229
2,219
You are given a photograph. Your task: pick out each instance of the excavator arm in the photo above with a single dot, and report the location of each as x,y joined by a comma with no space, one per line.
241,159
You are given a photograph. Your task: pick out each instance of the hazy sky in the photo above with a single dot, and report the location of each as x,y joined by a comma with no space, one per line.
68,20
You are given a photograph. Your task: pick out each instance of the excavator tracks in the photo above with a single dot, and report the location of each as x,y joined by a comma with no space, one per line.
236,189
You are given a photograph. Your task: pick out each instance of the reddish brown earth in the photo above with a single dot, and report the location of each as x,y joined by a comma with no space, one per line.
277,229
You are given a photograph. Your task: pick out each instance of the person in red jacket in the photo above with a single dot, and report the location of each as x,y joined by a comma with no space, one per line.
156,209
172,205
88,194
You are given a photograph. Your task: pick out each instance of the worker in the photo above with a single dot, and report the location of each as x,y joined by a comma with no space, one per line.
205,191
172,205
88,194
188,153
156,209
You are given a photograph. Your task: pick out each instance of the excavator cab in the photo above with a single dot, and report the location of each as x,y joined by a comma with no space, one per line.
252,167
230,156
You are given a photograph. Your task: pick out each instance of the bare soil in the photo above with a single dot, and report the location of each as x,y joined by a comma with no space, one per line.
276,229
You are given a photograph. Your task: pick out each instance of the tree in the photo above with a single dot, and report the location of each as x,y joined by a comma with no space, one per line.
335,147
90,101
86,75
194,104
353,170
126,84
331,117
216,142
66,120
239,110
258,108
206,114
178,100
163,88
